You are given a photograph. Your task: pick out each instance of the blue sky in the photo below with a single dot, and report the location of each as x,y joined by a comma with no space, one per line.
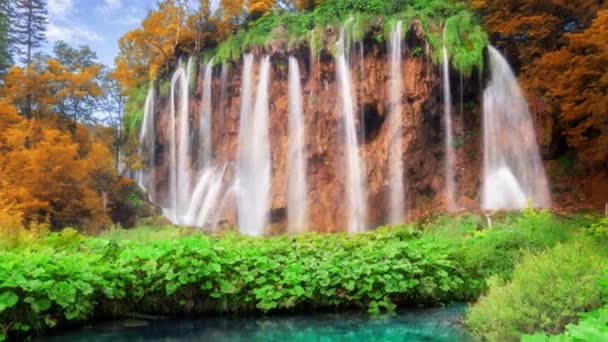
96,23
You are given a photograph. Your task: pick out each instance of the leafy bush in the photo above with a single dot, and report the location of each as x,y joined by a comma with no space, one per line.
70,278
592,325
546,292
599,228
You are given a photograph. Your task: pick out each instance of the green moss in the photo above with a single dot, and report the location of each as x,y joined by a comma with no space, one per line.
134,110
465,39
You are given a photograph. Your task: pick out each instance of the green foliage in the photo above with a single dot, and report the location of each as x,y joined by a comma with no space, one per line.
465,41
599,228
546,292
134,110
66,277
465,37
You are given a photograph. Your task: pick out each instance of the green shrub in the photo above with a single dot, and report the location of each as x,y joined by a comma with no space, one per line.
68,278
592,325
599,228
546,292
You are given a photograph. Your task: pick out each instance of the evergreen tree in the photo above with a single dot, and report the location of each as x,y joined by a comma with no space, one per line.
5,41
29,26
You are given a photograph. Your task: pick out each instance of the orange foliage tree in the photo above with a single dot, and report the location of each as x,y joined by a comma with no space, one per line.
573,81
49,175
145,50
560,46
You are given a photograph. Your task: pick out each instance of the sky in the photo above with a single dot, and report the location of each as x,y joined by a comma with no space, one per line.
96,23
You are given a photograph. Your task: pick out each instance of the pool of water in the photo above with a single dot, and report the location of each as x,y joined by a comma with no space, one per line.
408,325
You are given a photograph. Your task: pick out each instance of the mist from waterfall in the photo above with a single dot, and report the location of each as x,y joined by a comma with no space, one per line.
297,205
355,192
512,169
448,139
254,168
205,148
396,211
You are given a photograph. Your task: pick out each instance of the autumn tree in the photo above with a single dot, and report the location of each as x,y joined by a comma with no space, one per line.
145,50
529,28
573,82
30,18
257,8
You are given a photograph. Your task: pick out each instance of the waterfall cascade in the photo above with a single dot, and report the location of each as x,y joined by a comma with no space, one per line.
355,192
178,159
448,139
297,206
145,177
211,182
395,149
512,169
254,166
205,148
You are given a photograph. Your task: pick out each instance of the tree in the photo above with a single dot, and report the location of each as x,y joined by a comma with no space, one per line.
572,82
29,26
112,103
6,59
257,8
78,81
147,49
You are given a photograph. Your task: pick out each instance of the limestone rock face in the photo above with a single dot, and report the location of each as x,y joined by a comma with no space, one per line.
422,138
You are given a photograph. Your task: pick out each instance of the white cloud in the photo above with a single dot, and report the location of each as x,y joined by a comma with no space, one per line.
71,34
109,6
60,8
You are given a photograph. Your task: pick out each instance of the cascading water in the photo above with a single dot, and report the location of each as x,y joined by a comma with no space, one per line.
179,174
296,164
145,177
512,169
254,167
448,141
395,150
205,148
355,192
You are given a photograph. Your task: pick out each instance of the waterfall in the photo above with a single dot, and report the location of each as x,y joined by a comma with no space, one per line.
513,172
145,177
205,149
254,167
355,192
296,164
447,125
395,125
179,175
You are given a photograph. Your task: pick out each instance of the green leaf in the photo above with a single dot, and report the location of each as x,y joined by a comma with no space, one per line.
8,299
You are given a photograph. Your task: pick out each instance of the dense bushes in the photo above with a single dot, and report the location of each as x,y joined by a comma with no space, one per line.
66,277
546,292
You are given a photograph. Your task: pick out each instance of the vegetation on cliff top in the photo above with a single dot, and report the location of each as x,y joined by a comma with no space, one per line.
172,30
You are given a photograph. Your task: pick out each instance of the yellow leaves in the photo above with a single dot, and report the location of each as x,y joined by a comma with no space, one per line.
49,173
145,50
259,7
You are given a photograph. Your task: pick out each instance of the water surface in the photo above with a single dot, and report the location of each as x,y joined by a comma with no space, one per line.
411,325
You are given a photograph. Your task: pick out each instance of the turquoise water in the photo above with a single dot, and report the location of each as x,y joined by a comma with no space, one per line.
409,325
